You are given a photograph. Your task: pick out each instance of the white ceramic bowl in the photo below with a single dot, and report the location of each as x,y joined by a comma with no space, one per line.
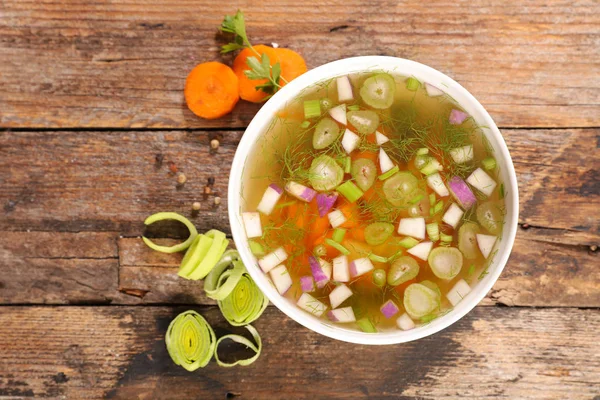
424,74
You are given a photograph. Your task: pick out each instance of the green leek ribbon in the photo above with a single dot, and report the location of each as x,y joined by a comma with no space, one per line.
161,216
190,341
203,254
242,340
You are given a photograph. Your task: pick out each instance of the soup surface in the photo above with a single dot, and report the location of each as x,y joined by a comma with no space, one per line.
373,201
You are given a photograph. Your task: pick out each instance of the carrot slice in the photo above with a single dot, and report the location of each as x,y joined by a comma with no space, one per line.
211,90
247,87
292,64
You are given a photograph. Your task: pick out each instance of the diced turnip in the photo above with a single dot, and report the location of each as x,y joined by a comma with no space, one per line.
344,88
325,202
350,141
421,250
433,91
360,266
458,292
326,268
385,162
461,155
482,182
389,309
336,218
338,113
281,279
453,215
344,314
404,322
269,199
321,271
461,192
300,192
310,304
341,272
307,283
339,295
414,227
457,117
273,259
380,138
252,224
436,183
486,244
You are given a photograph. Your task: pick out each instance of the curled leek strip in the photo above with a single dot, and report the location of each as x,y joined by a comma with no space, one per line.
242,340
203,255
190,341
161,216
224,277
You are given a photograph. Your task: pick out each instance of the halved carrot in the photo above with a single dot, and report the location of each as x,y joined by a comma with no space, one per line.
247,87
211,90
292,64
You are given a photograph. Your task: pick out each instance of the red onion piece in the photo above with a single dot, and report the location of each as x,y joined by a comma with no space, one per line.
307,283
325,202
320,276
389,309
461,192
457,117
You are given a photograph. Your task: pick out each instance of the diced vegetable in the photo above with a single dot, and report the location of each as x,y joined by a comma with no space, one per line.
325,202
341,315
463,154
354,107
419,300
364,172
339,295
326,132
432,198
379,277
380,138
385,162
486,244
321,271
421,250
433,231
350,191
336,218
376,258
310,304
389,309
350,141
312,109
421,160
281,279
445,238
341,272
305,124
378,91
377,233
270,199
437,208
457,117
307,283
360,266
366,325
414,227
458,292
365,121
300,192
408,242
489,215
344,89
320,250
467,240
432,166
256,248
461,192
338,234
404,322
453,215
433,91
338,113
273,259
412,84
445,262
399,189
489,163
337,246
347,163
252,224
402,270
422,151
482,182
388,174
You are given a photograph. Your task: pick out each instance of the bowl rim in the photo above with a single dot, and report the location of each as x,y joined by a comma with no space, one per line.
343,67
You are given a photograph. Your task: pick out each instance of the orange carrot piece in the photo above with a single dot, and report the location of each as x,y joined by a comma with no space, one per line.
358,233
352,214
370,155
247,87
292,64
211,90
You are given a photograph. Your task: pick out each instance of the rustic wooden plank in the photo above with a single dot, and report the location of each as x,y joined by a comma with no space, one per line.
108,181
106,64
119,352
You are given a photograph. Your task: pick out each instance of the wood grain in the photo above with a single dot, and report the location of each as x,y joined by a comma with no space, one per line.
107,64
119,353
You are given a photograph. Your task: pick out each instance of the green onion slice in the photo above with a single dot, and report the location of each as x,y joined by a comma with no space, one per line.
190,341
337,246
338,234
161,216
391,172
242,340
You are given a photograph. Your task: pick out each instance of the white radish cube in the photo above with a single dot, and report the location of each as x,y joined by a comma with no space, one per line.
336,218
311,305
339,295
380,138
404,322
340,269
326,268
338,113
344,88
252,224
360,266
461,155
269,199
385,162
453,215
433,91
281,279
482,182
344,314
350,141
300,191
272,260
486,244
414,227
436,183
421,250
458,292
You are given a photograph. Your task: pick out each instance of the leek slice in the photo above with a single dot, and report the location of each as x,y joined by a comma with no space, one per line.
161,216
245,303
190,341
224,277
242,340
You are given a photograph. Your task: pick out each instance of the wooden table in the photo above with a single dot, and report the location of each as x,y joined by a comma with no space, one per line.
91,91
